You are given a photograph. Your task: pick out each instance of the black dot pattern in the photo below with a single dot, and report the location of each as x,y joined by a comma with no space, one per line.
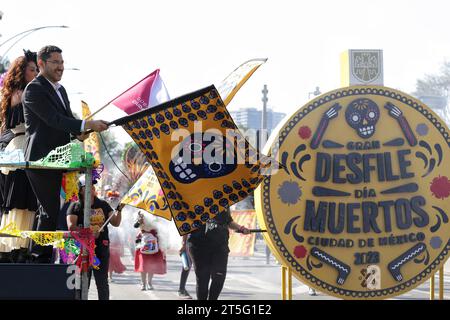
148,132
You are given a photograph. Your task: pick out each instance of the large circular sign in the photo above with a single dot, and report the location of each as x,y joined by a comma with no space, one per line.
359,207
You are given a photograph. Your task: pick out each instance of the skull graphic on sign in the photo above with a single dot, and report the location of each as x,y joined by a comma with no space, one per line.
362,115
204,155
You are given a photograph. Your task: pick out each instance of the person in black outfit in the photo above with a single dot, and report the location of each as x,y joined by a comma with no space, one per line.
5,138
19,201
100,212
49,123
209,251
182,292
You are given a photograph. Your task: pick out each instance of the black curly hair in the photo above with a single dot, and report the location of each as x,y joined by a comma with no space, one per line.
14,80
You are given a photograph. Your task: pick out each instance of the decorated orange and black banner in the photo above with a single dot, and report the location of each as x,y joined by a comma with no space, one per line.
203,163
146,194
360,208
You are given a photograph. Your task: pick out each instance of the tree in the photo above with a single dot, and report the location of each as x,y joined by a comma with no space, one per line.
110,145
435,85
433,90
3,69
4,64
111,158
110,149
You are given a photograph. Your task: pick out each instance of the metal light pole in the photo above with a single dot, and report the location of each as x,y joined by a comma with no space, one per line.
22,35
264,118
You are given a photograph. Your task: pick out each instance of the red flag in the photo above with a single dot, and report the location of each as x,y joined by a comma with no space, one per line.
147,93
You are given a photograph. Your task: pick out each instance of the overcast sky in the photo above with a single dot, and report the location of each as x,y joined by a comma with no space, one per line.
197,43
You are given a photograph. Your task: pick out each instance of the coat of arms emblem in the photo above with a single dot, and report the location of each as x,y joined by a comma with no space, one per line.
366,65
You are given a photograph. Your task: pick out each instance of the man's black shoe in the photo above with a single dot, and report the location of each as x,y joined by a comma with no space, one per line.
184,294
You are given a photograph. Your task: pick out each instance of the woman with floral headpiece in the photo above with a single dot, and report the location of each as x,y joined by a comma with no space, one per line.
19,200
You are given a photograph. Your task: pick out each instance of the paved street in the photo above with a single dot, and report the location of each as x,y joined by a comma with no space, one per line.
247,279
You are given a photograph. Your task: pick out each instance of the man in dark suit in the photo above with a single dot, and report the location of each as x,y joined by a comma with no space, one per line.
49,123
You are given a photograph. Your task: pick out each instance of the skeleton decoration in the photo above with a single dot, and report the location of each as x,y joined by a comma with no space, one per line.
362,115
203,155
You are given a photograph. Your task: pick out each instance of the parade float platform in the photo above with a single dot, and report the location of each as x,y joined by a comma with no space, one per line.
27,281
30,281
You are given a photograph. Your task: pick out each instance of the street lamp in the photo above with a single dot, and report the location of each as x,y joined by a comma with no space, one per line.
315,93
22,35
264,118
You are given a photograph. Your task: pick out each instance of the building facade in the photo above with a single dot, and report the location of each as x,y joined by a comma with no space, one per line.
250,118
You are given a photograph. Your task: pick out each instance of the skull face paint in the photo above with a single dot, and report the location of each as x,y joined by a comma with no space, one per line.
203,155
362,115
